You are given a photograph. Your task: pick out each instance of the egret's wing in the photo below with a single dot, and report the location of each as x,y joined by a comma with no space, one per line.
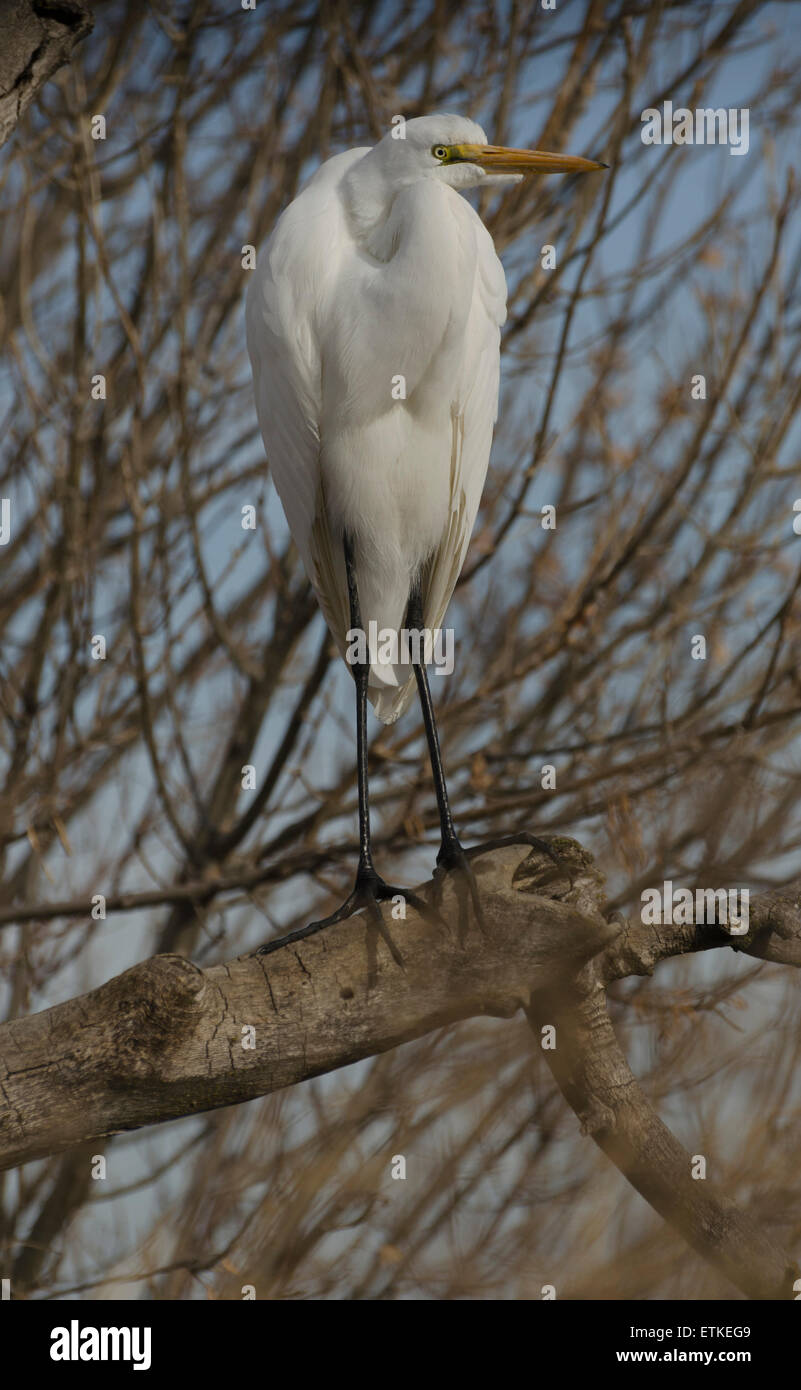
285,357
284,372
474,410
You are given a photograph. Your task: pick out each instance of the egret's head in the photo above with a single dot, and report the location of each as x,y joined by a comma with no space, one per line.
454,150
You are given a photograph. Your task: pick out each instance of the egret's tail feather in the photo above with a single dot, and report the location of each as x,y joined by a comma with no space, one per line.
390,701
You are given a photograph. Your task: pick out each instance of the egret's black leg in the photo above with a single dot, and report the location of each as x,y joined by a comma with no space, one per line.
369,889
452,857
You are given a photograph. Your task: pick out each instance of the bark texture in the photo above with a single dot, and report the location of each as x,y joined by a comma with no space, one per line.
36,37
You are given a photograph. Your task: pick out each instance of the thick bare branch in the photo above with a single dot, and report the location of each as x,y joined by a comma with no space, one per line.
597,1081
37,36
166,1039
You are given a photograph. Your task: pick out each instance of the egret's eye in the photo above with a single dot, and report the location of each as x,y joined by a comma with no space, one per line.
440,152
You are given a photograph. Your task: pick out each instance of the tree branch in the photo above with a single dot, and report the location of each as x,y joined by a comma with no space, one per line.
597,1082
36,37
166,1039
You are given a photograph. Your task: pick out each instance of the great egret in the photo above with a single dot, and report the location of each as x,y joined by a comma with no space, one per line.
373,327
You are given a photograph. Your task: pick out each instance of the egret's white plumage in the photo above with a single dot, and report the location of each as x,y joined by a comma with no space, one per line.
380,270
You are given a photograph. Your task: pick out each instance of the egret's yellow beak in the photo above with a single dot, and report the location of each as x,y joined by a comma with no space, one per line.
504,161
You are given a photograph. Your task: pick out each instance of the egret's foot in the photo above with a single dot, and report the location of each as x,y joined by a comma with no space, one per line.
525,837
453,859
369,890
522,837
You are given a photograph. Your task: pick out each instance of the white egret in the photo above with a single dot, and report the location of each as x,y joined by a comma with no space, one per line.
373,327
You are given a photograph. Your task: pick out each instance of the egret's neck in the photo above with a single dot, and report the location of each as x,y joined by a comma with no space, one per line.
416,220
368,201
